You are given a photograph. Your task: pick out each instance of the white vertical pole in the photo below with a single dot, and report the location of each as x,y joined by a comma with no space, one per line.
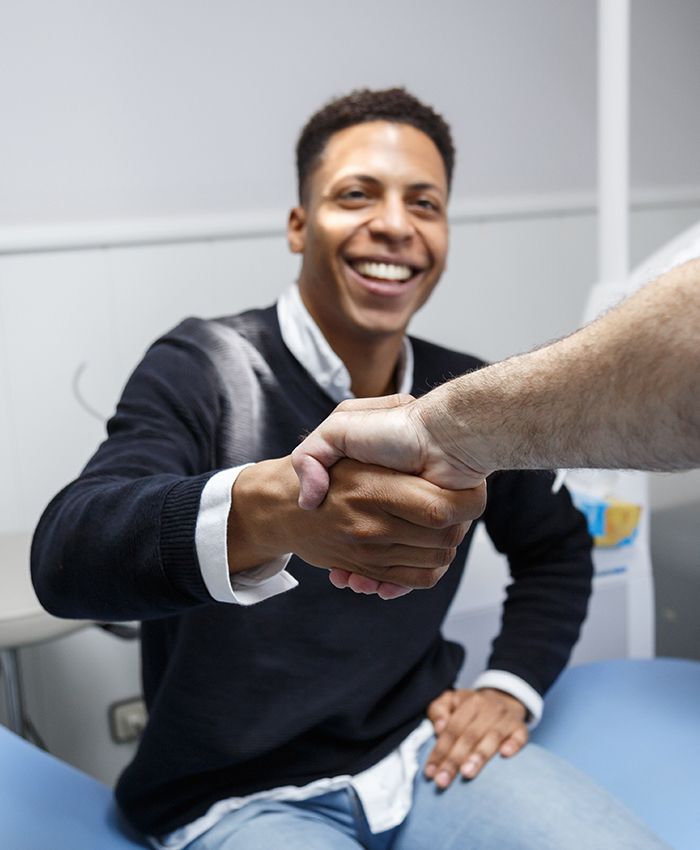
613,141
613,284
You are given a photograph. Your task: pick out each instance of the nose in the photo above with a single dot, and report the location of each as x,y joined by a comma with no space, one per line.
392,221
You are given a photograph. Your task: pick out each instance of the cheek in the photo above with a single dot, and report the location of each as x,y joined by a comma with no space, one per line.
442,243
336,228
436,240
319,249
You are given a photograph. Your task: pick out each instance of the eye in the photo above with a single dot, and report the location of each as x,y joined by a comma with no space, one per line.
426,204
354,194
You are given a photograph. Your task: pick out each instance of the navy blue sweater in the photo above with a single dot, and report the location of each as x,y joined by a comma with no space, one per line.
313,682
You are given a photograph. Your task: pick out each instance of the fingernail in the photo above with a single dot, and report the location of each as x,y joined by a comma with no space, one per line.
443,779
469,768
440,724
430,770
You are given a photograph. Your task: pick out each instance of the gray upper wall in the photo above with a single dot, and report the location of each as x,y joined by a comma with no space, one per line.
134,109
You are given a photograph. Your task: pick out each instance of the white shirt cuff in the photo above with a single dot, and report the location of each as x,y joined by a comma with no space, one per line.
511,684
243,588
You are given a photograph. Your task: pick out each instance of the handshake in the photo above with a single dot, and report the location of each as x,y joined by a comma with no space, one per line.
430,500
621,393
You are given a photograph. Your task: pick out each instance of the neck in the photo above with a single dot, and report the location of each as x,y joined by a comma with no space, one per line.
372,365
371,359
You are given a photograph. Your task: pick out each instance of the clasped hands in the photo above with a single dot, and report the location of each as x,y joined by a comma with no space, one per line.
432,495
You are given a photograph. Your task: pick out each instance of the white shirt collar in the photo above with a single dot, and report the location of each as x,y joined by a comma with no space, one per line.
304,339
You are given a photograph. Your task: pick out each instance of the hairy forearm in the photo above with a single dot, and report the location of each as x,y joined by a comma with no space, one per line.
622,392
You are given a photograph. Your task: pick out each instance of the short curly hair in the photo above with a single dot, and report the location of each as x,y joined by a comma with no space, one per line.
364,105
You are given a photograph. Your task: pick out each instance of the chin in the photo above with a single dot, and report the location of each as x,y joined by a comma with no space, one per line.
378,323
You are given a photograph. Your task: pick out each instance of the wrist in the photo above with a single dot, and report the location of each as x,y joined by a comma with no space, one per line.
443,422
513,702
261,497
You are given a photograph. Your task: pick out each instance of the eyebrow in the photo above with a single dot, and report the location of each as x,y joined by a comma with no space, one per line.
416,187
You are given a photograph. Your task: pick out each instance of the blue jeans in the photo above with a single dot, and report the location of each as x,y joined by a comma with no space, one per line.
533,801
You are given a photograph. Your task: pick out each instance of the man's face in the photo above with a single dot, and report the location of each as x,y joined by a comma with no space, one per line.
372,230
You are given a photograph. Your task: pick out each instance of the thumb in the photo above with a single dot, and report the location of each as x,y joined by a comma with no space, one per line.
314,480
312,458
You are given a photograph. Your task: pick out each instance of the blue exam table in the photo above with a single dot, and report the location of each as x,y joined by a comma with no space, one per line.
634,726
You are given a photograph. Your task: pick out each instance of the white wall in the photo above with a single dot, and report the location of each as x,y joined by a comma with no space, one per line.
114,110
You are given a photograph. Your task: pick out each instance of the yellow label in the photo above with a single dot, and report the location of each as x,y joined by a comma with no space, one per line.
621,523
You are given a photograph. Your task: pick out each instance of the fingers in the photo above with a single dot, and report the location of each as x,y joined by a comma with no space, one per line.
398,557
440,709
384,589
326,445
339,578
405,579
422,503
389,590
380,431
362,584
385,531
512,745
371,550
473,733
364,429
395,400
386,548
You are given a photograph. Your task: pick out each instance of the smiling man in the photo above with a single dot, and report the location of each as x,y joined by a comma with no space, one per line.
320,718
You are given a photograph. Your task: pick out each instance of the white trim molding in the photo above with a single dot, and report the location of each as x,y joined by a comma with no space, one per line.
83,236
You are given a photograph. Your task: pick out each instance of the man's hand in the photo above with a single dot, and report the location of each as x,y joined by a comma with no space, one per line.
383,431
387,432
381,525
471,727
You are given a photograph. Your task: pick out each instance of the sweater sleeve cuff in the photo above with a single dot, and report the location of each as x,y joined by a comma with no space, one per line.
178,554
511,684
243,588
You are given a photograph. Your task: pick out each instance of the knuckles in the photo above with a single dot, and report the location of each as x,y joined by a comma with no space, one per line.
439,513
444,557
453,535
429,578
479,496
419,578
450,765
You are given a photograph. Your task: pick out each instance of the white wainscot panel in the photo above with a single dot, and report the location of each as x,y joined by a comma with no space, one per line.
10,512
70,684
54,317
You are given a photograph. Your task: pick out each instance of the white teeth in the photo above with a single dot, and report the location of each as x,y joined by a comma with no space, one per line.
383,271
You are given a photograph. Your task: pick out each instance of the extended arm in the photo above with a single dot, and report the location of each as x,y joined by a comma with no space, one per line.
623,392
120,542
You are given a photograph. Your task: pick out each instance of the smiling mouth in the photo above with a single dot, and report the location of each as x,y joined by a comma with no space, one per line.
386,272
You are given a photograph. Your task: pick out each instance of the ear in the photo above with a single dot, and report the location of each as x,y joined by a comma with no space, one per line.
296,230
